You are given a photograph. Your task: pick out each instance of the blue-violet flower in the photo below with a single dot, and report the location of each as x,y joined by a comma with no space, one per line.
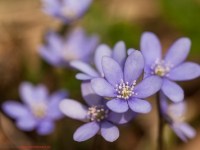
67,11
77,46
99,116
171,67
174,115
118,54
39,111
121,84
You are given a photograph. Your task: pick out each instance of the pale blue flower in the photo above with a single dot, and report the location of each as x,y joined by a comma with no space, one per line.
99,116
39,110
76,46
172,67
67,11
118,53
174,114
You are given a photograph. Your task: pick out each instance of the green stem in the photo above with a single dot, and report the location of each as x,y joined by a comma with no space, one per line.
94,142
160,125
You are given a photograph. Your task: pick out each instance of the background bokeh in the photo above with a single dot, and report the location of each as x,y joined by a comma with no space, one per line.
22,29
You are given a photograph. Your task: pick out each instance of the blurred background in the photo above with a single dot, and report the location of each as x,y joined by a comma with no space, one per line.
22,29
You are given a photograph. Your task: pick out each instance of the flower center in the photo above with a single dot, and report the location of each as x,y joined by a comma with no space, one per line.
69,13
69,54
175,115
160,68
124,90
39,110
97,113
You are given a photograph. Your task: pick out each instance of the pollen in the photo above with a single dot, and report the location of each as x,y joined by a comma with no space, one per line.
69,13
175,116
39,110
97,113
125,90
161,68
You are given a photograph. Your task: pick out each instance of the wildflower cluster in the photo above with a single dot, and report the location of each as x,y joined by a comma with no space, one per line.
115,90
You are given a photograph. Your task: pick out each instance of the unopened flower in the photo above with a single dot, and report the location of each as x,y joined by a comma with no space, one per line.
171,67
77,46
39,109
174,115
67,11
118,54
99,116
121,84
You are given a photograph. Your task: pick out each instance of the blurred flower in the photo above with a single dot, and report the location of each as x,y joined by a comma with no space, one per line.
171,67
118,54
173,114
67,11
39,111
121,85
100,117
77,46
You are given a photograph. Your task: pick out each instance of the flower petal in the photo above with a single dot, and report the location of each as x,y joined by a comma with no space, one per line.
102,87
177,109
134,66
84,67
73,109
102,50
53,107
86,131
40,93
119,53
163,102
46,127
50,56
178,132
172,90
185,71
121,118
89,96
109,131
26,92
130,50
14,109
150,48
117,105
27,123
139,106
31,94
82,76
148,87
178,52
187,130
112,70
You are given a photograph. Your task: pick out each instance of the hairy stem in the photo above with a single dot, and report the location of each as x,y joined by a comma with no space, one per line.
94,142
160,125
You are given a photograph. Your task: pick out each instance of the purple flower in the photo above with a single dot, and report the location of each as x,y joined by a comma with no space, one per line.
39,110
99,116
67,11
173,114
77,46
171,67
121,85
118,54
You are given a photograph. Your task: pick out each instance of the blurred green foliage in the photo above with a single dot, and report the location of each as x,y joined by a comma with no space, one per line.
111,30
184,15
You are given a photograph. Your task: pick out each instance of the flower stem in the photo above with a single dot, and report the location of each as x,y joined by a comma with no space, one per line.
94,142
160,125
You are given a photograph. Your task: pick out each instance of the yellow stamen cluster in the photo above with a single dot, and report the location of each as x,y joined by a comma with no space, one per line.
160,68
97,113
39,110
69,13
124,90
